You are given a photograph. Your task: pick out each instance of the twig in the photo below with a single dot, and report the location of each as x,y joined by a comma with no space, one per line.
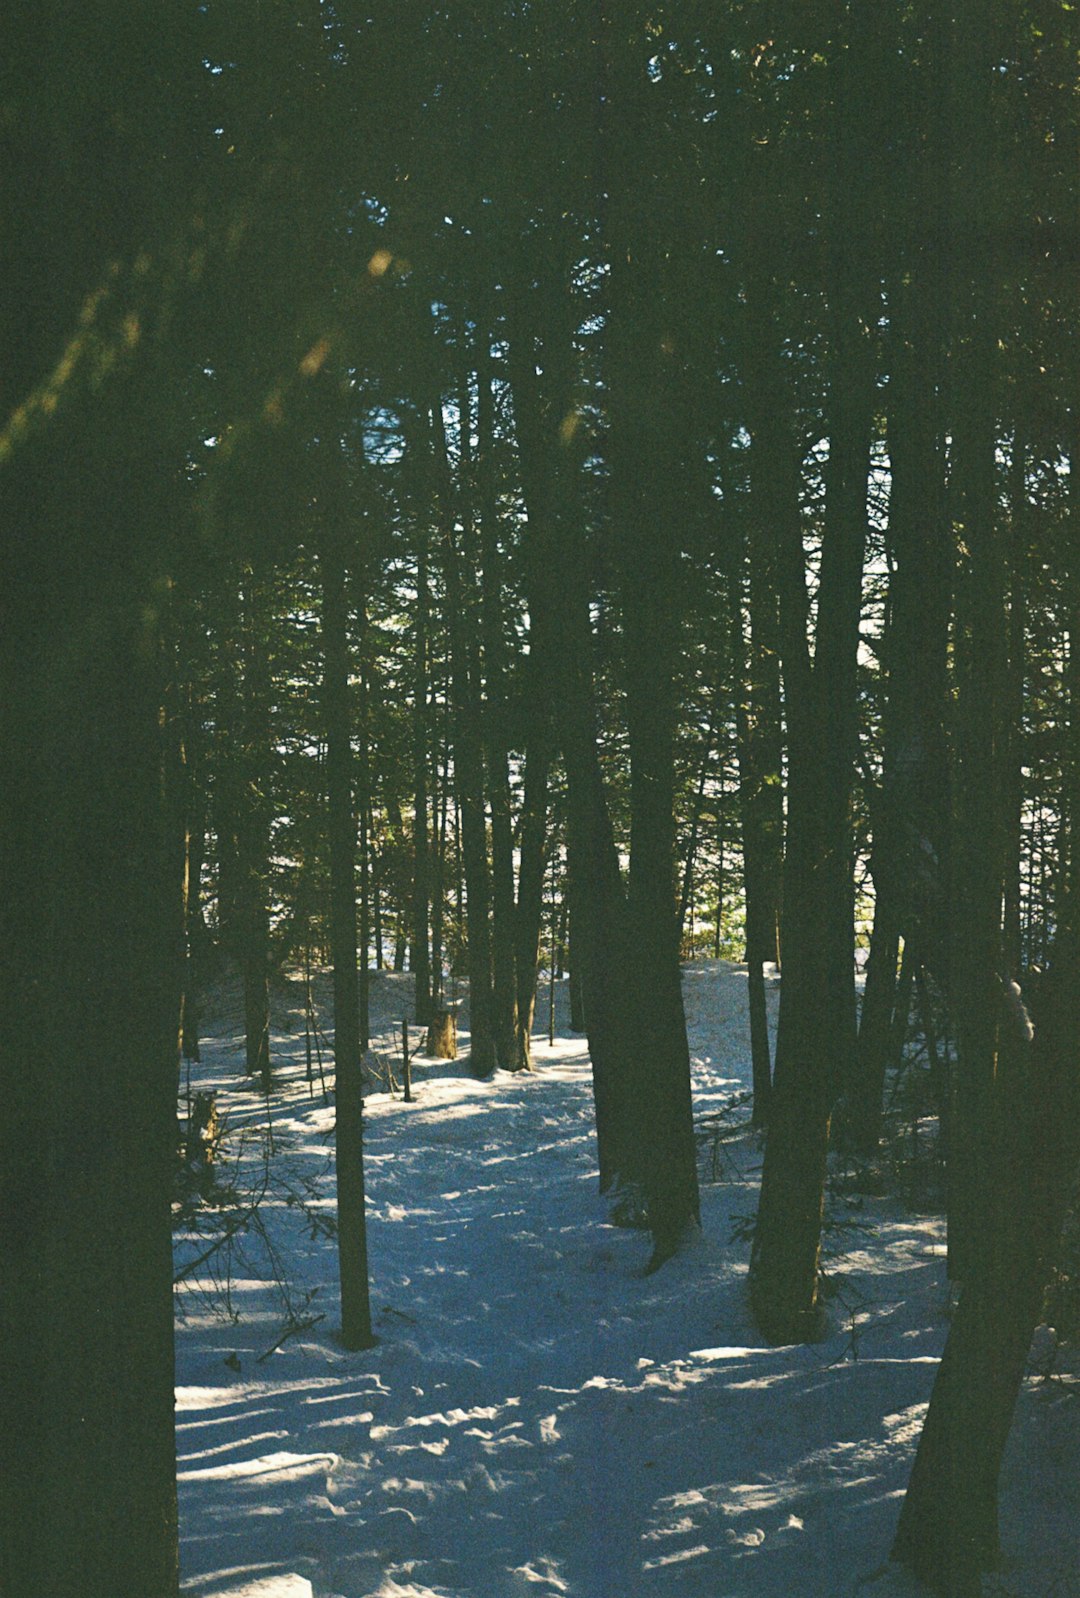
290,1331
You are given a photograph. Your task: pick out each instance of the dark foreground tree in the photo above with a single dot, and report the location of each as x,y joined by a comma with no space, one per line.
92,873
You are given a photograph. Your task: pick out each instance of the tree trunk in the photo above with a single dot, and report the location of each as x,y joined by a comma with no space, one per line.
469,770
531,887
348,1092
1019,539
911,817
253,832
815,1053
420,956
504,993
370,898
948,1532
438,901
652,479
563,643
978,853
89,1018
784,1260
759,752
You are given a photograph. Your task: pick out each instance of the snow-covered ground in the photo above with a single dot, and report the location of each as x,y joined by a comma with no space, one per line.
539,1417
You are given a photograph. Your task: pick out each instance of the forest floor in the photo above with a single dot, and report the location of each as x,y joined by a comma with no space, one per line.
540,1417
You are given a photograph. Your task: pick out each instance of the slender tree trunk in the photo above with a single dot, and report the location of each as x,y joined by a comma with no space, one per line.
438,906
370,898
348,1041
420,956
708,759
192,826
504,993
784,1260
975,947
815,1053
253,832
757,737
1019,535
563,642
469,771
651,473
531,888
911,817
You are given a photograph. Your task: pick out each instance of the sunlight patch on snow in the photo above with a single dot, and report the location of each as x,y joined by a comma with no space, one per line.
242,1442
453,1417
906,1424
725,1353
549,1431
285,1466
275,1586
679,1558
540,1572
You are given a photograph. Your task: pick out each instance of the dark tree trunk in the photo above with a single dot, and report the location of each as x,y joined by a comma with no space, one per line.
253,832
540,676
759,751
652,482
1019,539
468,766
89,1016
948,1529
348,1092
421,909
784,1262
190,824
531,888
438,899
815,1053
686,892
910,816
563,642
504,993
370,897
978,852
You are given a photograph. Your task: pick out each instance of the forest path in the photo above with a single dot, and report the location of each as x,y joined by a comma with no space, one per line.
539,1417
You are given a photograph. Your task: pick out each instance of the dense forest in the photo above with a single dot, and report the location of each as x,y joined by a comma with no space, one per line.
503,487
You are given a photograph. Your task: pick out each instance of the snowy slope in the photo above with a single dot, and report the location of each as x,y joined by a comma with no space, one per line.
539,1417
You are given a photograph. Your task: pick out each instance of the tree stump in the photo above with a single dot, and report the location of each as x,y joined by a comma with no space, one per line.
441,1041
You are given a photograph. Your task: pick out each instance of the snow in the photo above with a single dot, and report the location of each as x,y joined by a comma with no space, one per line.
540,1417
